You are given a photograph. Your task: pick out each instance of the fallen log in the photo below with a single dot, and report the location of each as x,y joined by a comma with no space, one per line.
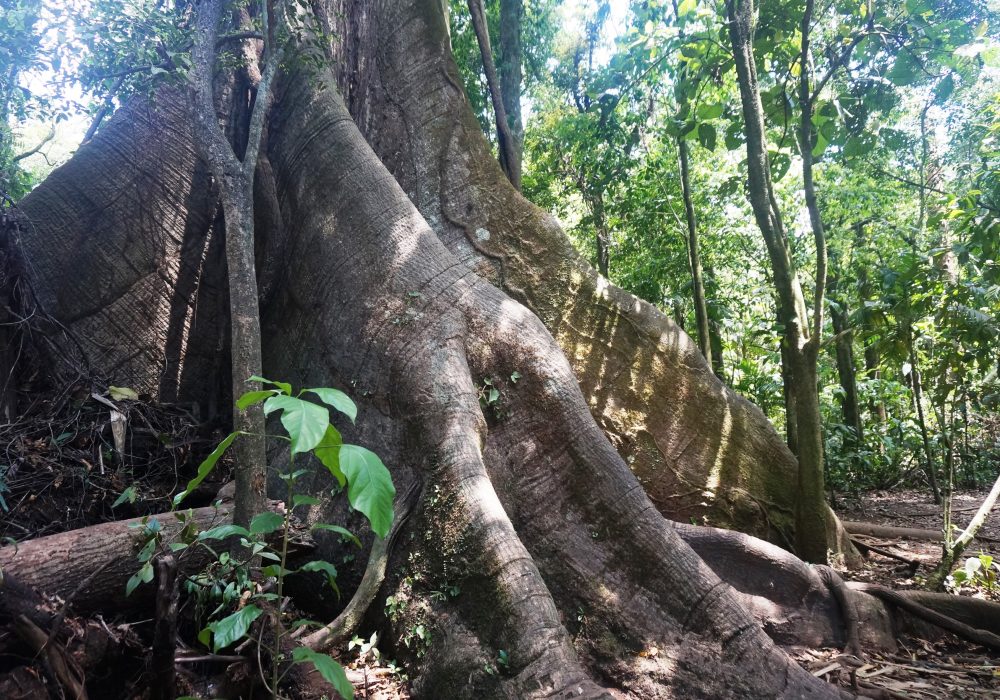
891,531
58,564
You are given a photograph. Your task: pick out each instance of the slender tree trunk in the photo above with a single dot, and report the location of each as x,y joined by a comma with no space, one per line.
811,533
872,360
844,355
235,180
924,159
602,233
509,159
511,79
694,256
715,330
918,401
787,395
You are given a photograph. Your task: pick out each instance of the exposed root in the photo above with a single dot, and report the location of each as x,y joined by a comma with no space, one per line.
839,590
66,672
865,548
973,634
346,623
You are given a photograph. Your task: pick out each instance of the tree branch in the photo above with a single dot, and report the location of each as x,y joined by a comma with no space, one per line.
263,100
48,137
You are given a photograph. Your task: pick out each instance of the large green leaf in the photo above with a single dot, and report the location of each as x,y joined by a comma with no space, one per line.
323,567
706,136
223,532
205,468
305,421
266,523
252,398
338,399
712,110
232,628
328,452
369,486
343,532
285,387
143,575
332,672
905,71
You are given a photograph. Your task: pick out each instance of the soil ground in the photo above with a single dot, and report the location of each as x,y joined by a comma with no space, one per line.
66,467
920,669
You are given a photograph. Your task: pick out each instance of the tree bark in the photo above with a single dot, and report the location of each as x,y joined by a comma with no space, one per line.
844,354
235,179
511,81
800,342
679,454
510,161
409,274
56,564
694,256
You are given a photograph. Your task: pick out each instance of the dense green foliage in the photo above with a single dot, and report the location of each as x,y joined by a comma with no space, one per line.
906,120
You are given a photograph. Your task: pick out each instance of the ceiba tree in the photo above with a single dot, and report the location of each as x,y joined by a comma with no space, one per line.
395,260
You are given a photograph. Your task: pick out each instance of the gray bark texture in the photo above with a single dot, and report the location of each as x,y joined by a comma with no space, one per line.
396,262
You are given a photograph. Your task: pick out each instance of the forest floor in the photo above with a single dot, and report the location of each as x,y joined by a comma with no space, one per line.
920,669
67,468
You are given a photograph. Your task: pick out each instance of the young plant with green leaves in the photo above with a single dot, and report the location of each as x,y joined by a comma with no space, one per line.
231,577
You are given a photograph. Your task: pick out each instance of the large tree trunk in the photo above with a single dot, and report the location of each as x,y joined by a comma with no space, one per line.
717,457
410,271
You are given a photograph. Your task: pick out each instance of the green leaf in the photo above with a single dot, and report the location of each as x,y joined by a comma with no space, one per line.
944,89
856,146
734,136
222,532
143,575
324,567
905,70
305,421
252,398
330,670
266,523
146,553
686,7
232,628
205,468
328,452
710,111
285,387
707,136
338,399
780,162
128,494
122,393
301,499
343,532
369,486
